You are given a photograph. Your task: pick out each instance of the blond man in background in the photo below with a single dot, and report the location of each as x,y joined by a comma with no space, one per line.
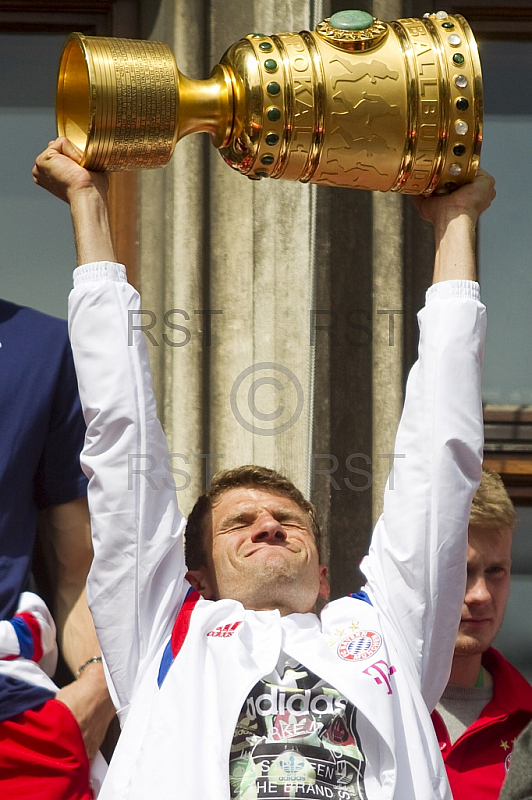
487,702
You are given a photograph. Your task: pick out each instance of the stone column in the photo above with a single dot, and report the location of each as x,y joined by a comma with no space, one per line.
267,342
388,315
262,277
361,273
387,373
214,241
174,261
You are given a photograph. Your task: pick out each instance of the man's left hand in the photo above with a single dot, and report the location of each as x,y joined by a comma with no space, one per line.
88,700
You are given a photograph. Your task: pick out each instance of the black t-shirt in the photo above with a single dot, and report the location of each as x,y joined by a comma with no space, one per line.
296,737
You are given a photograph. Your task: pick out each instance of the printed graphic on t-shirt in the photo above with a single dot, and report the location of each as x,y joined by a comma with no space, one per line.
296,737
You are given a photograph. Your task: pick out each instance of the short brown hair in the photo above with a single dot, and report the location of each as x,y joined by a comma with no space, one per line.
492,507
249,476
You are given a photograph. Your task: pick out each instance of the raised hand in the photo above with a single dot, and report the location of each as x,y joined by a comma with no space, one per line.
471,199
58,170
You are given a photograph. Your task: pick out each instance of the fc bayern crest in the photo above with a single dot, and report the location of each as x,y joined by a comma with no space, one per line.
359,646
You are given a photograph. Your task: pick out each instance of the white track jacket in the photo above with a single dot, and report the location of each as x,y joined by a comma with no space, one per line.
388,653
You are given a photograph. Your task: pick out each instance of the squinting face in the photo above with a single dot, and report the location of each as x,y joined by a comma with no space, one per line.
488,585
263,553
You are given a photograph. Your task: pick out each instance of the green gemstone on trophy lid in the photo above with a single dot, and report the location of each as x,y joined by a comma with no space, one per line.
273,114
270,65
267,160
458,58
351,20
272,139
265,47
273,88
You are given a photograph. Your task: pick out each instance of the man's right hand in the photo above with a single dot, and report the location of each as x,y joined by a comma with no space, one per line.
57,169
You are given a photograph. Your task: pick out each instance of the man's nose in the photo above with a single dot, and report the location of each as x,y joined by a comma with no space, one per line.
477,590
267,528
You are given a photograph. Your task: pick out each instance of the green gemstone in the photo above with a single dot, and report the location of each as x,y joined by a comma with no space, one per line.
447,25
265,46
257,35
270,65
261,174
273,114
272,139
351,20
458,58
273,88
267,160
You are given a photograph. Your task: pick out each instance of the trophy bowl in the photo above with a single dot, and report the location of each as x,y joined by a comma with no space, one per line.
362,103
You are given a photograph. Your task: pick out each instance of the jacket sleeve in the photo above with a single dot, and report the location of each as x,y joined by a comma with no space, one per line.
136,582
30,634
416,567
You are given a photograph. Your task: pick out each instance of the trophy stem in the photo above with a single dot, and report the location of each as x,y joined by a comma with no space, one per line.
207,106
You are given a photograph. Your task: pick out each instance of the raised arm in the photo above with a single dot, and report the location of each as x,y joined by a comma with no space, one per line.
454,219
136,581
417,561
57,170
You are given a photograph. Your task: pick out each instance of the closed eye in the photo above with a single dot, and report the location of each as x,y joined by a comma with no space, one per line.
297,525
289,519
235,526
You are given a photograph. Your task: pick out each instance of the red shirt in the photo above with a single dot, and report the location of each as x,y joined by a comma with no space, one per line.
478,761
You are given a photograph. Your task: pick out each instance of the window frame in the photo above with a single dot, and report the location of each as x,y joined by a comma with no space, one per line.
508,429
93,18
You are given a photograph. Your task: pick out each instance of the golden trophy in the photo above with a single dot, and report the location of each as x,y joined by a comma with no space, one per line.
389,106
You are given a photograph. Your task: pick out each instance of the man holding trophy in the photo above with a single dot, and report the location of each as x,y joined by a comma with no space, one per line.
226,681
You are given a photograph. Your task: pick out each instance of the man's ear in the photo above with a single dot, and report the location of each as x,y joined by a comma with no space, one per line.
200,581
325,589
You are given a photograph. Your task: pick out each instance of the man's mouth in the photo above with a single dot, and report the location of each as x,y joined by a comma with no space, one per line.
269,545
